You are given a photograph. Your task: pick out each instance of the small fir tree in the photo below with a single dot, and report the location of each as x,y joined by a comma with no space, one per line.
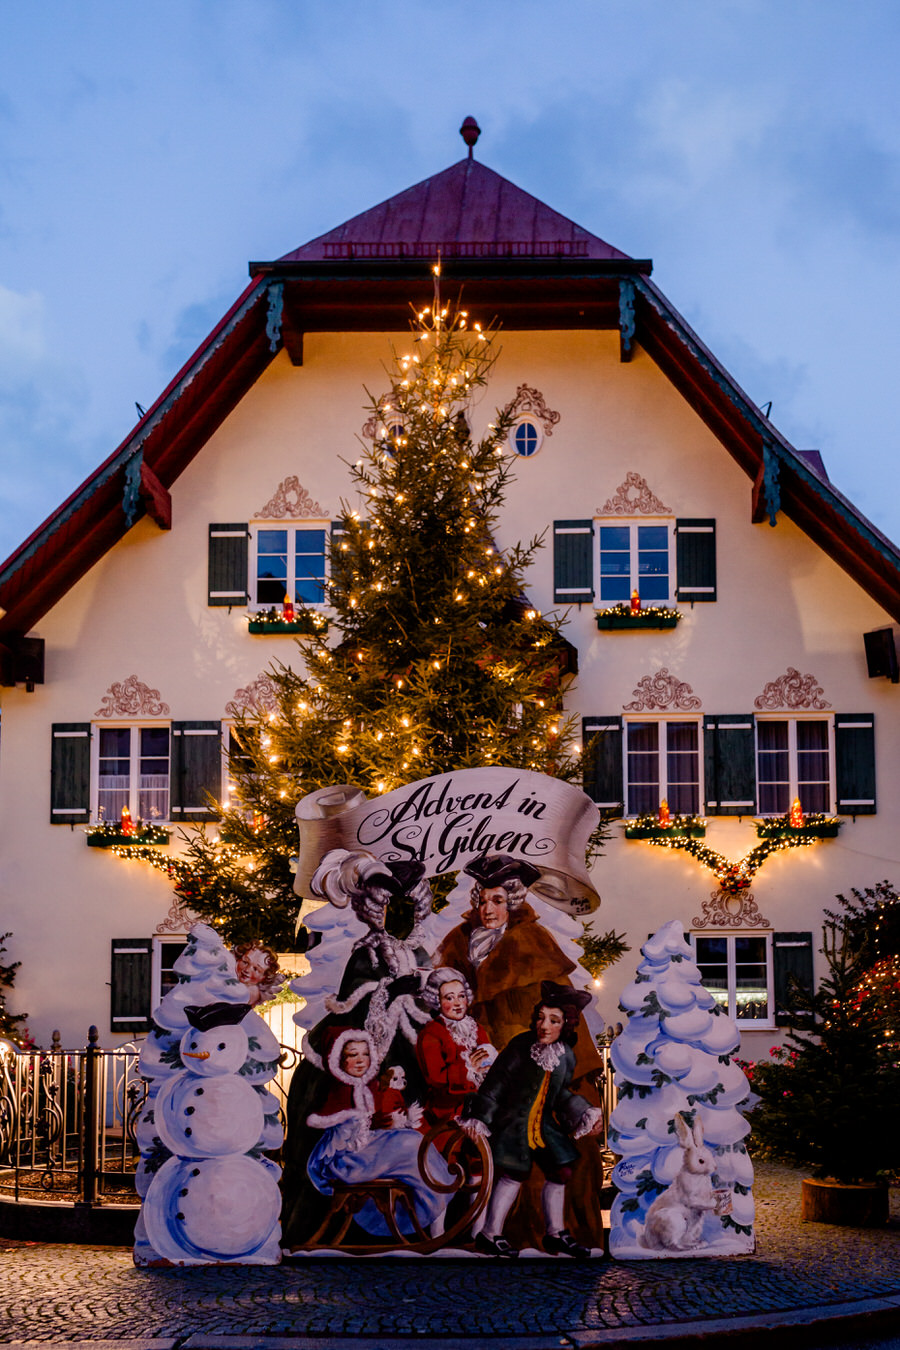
435,661
830,1098
12,1025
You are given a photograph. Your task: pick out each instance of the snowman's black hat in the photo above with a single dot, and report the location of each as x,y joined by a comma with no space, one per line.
210,1015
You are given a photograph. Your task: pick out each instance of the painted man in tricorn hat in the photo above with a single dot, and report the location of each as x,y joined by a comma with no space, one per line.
528,1111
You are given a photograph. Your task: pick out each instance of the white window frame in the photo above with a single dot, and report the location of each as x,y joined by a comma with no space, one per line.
157,945
793,720
743,1023
663,778
134,773
632,523
291,527
527,419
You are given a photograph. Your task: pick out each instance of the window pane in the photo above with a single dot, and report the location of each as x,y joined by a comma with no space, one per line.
643,767
114,772
526,438
773,767
271,567
813,775
683,768
615,563
653,562
153,785
712,959
751,994
309,566
169,953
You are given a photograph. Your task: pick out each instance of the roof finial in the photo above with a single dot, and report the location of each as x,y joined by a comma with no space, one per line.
470,131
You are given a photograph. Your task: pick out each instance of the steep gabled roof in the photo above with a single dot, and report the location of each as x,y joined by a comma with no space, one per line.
519,261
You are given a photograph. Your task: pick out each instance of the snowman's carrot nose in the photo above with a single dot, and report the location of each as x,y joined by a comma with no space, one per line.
196,1054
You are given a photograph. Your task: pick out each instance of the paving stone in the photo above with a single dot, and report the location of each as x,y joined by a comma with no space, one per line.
59,1294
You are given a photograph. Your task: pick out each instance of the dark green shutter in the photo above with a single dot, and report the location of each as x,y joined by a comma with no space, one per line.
792,960
695,549
228,551
70,773
729,761
196,769
854,753
130,984
573,561
602,763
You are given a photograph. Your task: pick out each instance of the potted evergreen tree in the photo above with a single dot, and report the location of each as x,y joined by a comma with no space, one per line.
830,1098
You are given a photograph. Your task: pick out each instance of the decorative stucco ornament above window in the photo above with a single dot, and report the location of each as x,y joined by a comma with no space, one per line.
724,909
132,698
178,919
657,693
291,501
530,402
633,498
258,697
793,691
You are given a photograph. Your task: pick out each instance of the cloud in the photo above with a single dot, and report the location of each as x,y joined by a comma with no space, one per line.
21,327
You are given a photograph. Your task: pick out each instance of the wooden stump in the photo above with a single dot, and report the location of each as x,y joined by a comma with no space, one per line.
862,1206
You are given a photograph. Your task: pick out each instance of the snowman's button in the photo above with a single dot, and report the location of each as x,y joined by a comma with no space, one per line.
183,1191
198,1092
189,1130
195,1171
189,1110
179,1215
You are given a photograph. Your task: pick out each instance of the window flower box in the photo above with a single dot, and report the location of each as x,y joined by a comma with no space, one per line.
679,827
273,621
111,836
813,827
621,619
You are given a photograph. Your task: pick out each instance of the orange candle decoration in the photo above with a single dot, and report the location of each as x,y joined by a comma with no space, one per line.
635,601
796,816
664,817
127,825
287,609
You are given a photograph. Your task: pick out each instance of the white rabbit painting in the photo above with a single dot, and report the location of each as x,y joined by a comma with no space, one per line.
675,1219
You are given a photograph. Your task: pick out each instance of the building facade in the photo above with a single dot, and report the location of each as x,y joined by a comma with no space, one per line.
743,683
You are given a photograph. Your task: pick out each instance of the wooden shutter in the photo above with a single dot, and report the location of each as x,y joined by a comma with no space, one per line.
130,984
792,960
602,763
196,769
228,552
854,753
695,551
729,761
573,561
70,773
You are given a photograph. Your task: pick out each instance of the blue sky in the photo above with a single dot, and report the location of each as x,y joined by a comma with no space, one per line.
750,147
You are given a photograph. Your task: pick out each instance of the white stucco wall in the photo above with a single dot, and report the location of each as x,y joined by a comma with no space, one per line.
142,611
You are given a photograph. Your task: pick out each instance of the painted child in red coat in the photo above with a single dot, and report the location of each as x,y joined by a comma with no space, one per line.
453,1050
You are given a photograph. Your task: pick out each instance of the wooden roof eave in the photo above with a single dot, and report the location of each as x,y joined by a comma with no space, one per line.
810,501
166,439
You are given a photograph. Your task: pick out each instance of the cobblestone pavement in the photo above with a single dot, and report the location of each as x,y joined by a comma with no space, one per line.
53,1294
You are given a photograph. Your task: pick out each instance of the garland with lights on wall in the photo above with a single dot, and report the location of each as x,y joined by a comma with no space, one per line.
793,830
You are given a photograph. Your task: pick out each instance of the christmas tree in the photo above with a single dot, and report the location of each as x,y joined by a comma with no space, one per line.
11,1024
684,1177
433,659
830,1098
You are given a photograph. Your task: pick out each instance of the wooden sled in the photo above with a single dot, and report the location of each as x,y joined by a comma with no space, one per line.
471,1170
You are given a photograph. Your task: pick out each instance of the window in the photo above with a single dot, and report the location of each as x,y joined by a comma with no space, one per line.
526,437
662,559
634,557
663,761
793,759
133,771
289,560
163,977
737,971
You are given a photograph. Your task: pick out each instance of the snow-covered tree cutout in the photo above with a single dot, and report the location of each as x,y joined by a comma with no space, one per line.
684,1177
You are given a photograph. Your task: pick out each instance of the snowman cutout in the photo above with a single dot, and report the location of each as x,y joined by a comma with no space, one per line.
216,1199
